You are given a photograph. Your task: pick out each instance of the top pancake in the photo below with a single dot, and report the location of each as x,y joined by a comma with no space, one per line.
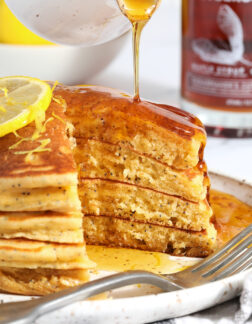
55,167
162,132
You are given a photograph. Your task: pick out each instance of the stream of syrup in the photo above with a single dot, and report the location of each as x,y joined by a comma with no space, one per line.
139,13
231,217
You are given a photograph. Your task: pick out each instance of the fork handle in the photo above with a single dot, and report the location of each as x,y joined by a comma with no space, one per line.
28,311
65,297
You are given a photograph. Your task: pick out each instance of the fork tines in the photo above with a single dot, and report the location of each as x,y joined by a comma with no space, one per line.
234,257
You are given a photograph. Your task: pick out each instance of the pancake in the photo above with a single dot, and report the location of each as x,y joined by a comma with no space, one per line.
51,168
40,281
105,161
42,226
100,230
61,199
165,133
109,198
22,253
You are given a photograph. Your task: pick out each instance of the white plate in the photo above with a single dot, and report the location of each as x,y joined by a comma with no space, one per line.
134,305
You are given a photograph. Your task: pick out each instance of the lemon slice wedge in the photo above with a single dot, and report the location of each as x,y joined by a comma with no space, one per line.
22,99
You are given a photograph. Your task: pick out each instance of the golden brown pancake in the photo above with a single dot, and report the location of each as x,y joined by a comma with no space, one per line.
100,230
39,281
42,226
52,168
24,253
131,202
61,199
105,161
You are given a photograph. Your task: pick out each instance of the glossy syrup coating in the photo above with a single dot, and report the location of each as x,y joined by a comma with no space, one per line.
160,131
183,123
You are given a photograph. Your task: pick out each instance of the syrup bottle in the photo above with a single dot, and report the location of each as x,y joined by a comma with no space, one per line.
217,65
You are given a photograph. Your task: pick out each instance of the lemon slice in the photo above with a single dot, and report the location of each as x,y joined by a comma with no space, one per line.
22,100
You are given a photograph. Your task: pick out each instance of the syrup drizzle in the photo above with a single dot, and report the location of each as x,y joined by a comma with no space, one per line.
139,13
94,99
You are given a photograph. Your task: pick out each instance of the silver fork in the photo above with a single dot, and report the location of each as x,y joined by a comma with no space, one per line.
234,257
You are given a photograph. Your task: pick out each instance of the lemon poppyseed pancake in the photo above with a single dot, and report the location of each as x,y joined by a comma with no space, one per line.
113,231
42,226
53,166
39,281
142,179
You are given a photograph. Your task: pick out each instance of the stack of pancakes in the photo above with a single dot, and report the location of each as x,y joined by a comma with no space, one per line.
142,181
41,236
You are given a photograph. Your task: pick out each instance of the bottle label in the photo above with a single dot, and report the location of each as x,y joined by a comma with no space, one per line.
217,53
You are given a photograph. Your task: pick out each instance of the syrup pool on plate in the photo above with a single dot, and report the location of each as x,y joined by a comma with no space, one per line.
231,216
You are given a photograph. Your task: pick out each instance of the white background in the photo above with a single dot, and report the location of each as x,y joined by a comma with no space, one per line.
160,81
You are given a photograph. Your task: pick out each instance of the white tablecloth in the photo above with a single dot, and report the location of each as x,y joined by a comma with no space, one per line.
236,311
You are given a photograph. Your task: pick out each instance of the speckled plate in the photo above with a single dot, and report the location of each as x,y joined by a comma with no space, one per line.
145,304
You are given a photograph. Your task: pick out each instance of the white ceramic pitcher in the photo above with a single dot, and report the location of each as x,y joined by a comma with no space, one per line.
71,22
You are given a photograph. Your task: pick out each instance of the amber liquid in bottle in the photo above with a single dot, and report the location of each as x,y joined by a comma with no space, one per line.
139,13
217,65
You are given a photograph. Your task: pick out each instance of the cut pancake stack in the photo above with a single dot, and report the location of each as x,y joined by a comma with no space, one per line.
42,248
133,169
142,181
